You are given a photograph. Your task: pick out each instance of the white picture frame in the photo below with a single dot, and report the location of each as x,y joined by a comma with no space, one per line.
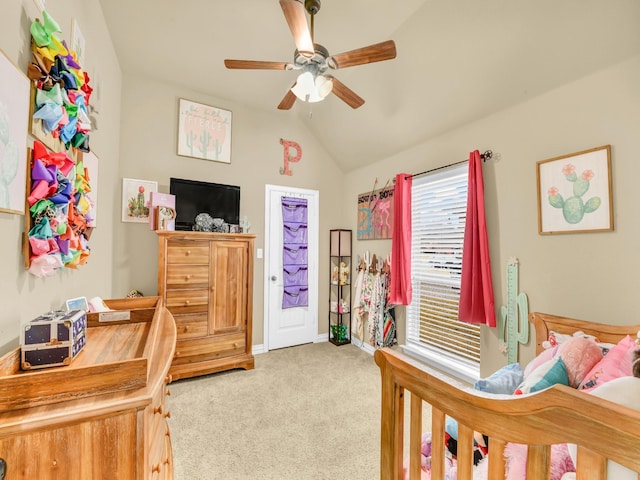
78,303
136,197
204,131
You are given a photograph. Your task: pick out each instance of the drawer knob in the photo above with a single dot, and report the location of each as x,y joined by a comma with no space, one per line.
168,392
187,277
187,253
167,415
186,328
155,468
169,378
186,302
158,409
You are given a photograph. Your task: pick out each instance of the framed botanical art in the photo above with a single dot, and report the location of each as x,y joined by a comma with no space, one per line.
136,196
204,132
14,126
90,161
575,192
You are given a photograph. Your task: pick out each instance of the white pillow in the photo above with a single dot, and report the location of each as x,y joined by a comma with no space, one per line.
625,391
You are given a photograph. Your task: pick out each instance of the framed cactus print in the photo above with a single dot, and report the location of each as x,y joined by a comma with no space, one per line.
136,198
204,132
575,192
14,120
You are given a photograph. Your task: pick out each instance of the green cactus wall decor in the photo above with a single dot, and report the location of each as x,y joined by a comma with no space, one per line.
9,158
513,323
574,208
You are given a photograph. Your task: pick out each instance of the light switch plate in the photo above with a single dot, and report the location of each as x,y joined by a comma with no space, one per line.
259,253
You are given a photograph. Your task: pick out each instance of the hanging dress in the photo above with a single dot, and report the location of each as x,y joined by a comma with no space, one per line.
357,325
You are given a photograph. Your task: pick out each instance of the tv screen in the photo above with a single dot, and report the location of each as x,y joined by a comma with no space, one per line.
194,197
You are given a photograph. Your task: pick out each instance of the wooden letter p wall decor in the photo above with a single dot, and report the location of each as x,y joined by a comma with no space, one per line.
287,144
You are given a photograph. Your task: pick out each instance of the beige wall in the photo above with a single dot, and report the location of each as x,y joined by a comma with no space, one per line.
149,135
22,295
591,276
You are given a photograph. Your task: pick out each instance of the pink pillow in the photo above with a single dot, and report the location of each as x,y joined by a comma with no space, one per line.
579,356
616,363
544,356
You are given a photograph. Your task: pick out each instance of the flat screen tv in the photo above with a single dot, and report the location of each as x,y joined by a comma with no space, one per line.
194,197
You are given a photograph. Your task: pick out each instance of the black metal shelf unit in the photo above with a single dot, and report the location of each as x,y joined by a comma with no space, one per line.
340,287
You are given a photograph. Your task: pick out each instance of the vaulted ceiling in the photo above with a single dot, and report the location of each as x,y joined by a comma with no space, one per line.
457,60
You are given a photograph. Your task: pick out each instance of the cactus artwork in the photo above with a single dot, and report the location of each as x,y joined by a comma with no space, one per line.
574,207
14,121
9,158
204,132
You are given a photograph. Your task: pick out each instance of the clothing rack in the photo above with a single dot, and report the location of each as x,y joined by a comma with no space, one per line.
487,155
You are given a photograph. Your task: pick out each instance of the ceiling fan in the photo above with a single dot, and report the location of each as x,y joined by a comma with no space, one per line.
314,61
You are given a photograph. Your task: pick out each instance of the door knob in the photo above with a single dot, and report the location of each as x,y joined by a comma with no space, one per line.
273,278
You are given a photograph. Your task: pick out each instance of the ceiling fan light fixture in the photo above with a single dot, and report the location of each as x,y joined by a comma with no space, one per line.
304,86
310,89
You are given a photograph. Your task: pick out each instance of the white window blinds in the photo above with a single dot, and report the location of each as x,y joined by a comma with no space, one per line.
439,203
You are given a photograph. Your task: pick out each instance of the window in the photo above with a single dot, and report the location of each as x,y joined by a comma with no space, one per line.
434,333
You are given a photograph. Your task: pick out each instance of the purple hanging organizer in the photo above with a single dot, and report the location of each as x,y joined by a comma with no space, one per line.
295,275
295,233
294,210
295,297
294,253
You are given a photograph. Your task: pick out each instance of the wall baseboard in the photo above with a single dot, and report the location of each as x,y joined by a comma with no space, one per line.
323,337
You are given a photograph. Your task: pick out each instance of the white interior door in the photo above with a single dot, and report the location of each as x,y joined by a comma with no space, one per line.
289,326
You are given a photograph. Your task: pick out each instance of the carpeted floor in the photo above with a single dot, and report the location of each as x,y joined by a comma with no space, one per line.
307,412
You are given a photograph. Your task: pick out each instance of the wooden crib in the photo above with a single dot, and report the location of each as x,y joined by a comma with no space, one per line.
601,429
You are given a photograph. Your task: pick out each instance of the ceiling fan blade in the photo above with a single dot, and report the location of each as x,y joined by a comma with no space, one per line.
373,53
347,95
288,100
257,65
296,17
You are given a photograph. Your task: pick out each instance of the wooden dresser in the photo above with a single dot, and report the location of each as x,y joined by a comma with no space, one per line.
206,282
102,417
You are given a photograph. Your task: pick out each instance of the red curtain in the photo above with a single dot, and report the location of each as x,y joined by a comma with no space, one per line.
476,291
400,279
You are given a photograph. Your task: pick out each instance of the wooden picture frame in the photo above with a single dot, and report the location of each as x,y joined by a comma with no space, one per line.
136,195
575,192
204,132
14,127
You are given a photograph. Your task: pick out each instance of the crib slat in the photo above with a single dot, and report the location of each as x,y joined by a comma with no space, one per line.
437,444
497,461
465,452
415,437
538,462
392,427
591,466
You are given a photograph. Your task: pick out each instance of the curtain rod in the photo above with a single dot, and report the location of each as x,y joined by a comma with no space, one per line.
484,156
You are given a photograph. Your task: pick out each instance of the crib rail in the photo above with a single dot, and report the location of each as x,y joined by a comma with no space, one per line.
601,429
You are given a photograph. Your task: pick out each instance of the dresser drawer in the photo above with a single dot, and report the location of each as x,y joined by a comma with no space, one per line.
192,325
209,348
184,251
187,301
187,276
